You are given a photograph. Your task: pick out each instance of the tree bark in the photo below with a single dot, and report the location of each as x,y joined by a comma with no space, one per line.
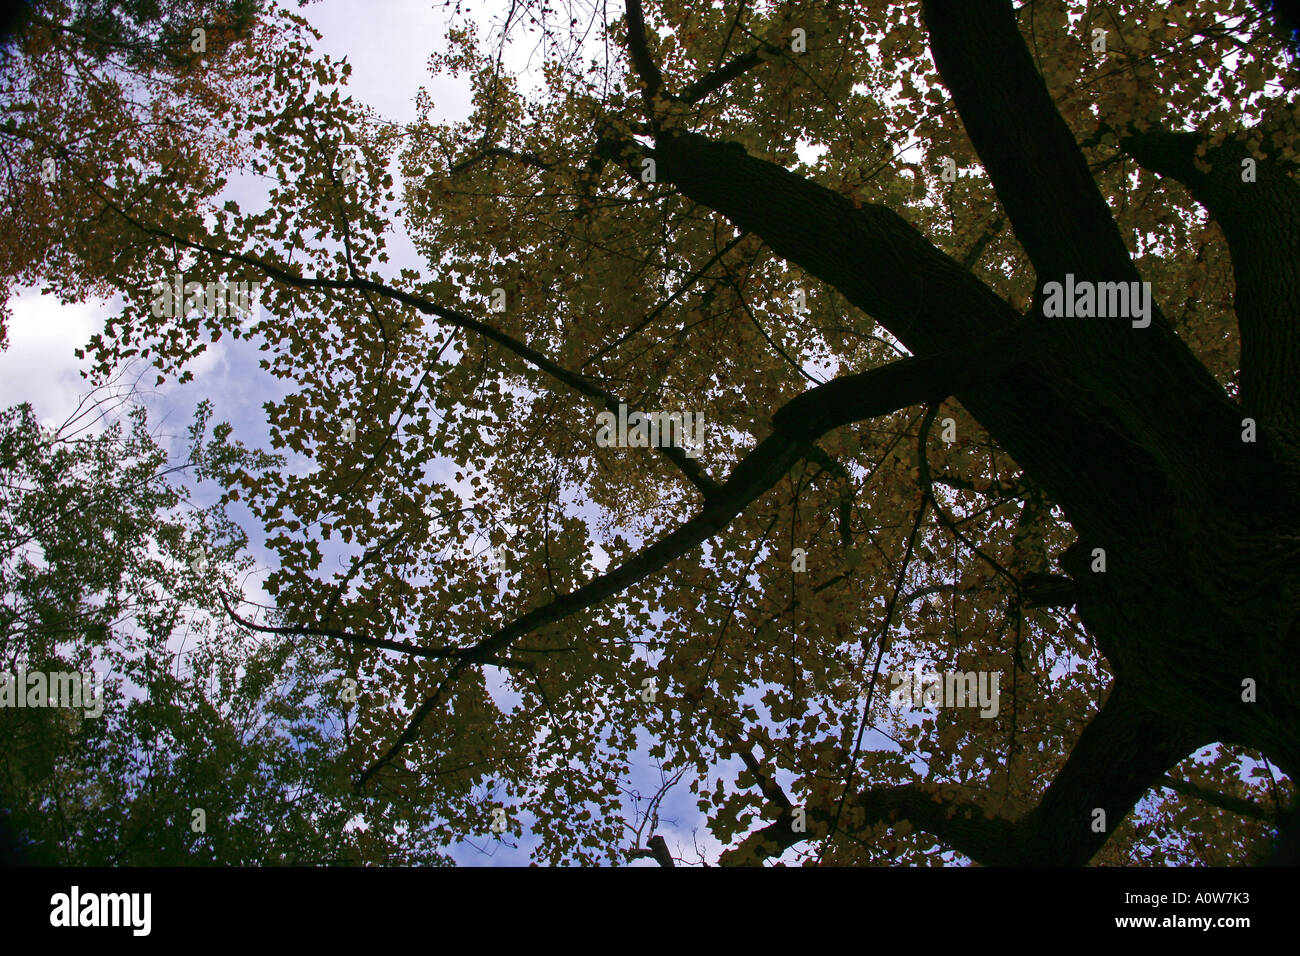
1123,427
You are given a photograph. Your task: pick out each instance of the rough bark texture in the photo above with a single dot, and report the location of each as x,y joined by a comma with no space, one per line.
1259,212
1126,430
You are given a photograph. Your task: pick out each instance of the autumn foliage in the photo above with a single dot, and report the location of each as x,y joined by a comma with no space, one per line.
864,336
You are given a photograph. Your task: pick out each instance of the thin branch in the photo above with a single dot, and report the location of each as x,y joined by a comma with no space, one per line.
527,158
689,468
1237,805
414,650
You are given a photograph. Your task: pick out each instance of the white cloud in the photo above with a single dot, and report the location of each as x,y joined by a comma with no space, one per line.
39,366
388,47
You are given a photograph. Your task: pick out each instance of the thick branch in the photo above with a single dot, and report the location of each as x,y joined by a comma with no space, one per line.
716,79
958,823
1123,752
1140,378
642,61
1039,172
796,425
657,850
1260,218
851,398
883,390
1047,590
1237,805
882,265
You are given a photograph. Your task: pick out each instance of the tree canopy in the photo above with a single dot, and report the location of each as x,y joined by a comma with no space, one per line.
208,745
841,235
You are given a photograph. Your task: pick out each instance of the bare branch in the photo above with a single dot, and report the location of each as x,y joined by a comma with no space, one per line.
413,650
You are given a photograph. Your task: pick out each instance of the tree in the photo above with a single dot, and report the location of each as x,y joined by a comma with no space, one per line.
897,255
206,745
